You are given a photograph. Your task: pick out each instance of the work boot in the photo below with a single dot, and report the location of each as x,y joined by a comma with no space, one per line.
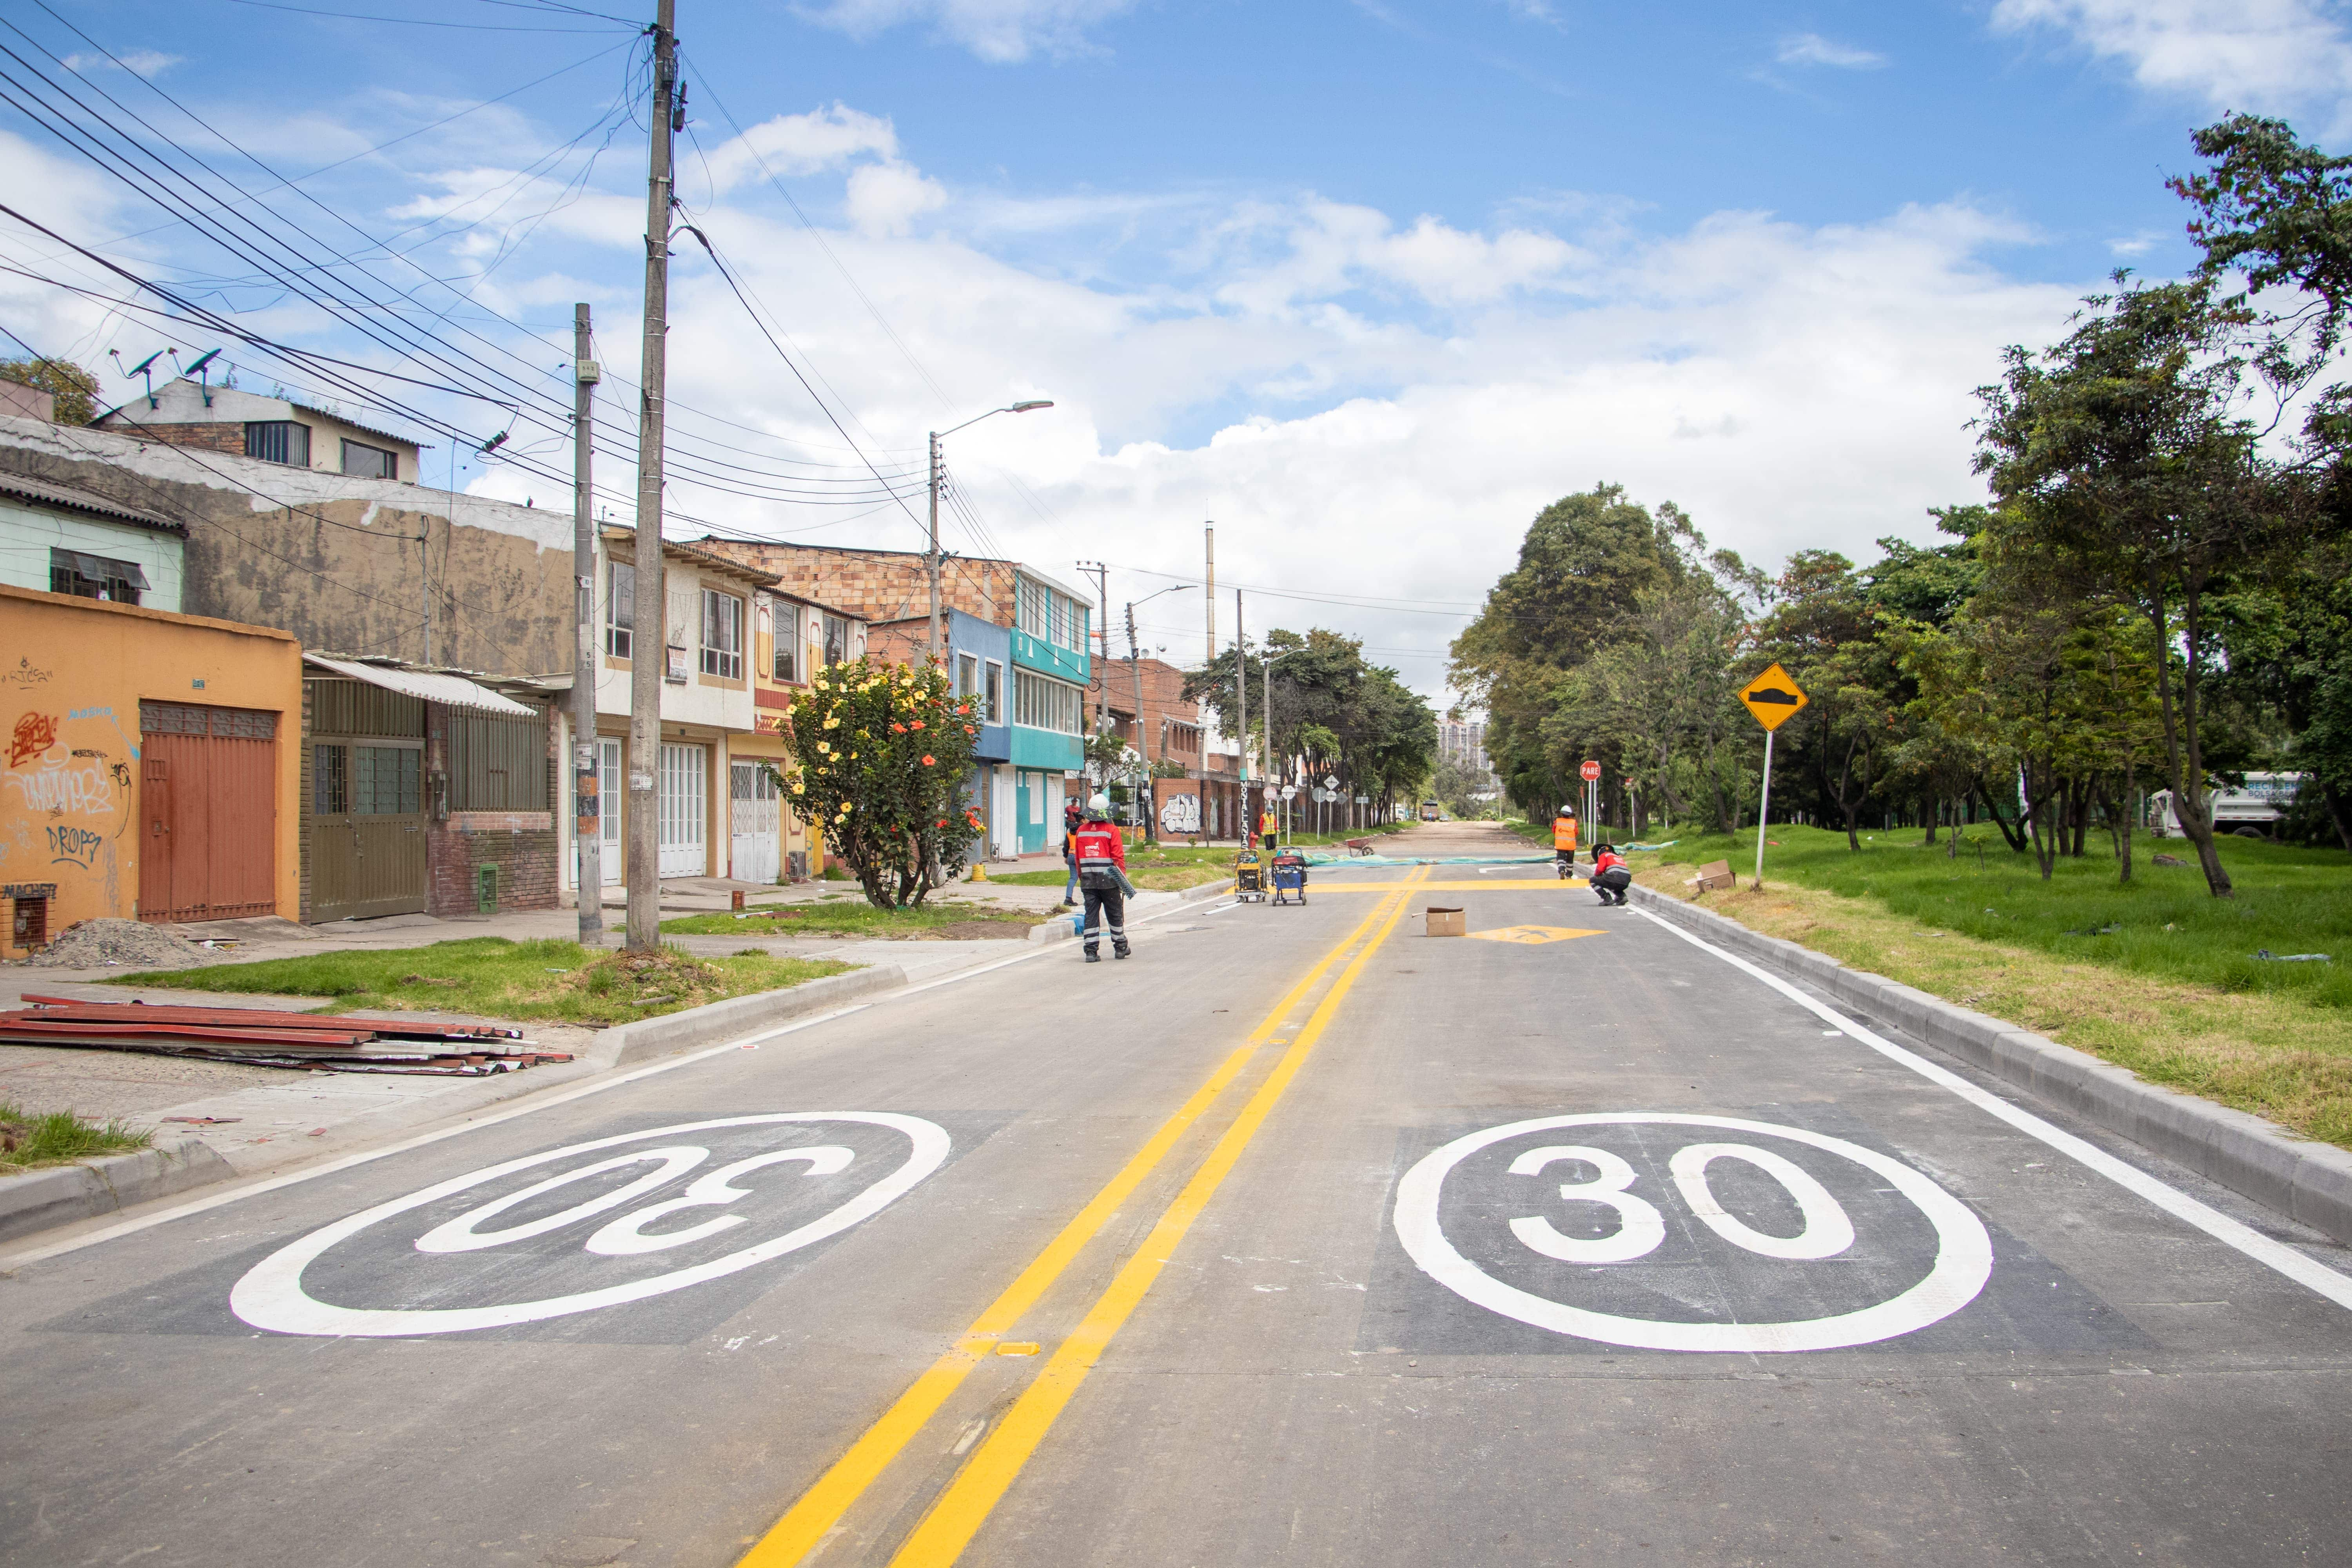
1093,957
1120,951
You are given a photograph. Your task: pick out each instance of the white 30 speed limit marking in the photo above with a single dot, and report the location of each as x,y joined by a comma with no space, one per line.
271,1296
1963,1251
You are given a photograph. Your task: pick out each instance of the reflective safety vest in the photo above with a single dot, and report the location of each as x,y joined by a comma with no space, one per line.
1098,848
1267,823
1563,833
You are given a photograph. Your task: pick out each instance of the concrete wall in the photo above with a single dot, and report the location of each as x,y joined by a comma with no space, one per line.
28,531
335,560
69,692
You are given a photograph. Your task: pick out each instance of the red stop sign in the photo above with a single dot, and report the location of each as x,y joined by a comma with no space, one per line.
1590,770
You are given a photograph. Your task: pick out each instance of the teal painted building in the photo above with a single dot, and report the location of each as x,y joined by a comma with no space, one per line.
1050,670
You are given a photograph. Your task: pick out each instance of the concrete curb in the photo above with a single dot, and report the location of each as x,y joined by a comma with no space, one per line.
63,1194
2305,1181
651,1037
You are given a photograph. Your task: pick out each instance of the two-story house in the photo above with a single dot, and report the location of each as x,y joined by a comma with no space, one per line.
792,638
979,669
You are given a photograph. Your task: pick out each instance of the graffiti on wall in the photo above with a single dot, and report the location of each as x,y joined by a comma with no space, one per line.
64,796
1180,814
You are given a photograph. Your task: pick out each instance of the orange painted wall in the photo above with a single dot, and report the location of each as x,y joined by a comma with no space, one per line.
72,674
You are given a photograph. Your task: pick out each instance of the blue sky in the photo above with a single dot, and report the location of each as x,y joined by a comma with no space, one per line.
1366,282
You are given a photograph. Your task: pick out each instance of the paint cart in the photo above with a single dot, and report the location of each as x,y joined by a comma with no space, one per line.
1289,878
1249,878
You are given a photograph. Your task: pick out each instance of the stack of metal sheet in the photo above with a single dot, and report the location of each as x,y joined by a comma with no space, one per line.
262,1038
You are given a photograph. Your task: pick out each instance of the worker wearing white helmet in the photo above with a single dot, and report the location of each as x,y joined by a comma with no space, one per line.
1101,856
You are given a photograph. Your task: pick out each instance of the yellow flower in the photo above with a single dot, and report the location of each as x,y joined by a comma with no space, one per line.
832,722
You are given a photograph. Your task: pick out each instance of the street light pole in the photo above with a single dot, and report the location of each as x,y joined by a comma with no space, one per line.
931,556
649,639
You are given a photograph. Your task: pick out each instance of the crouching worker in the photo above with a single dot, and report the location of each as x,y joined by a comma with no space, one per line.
1611,875
1101,856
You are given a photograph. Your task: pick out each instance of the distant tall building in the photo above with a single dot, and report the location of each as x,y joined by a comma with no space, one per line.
1463,741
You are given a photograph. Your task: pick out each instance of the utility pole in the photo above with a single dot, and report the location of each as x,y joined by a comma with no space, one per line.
588,823
1266,756
1101,631
1241,715
649,636
1142,739
1209,599
931,556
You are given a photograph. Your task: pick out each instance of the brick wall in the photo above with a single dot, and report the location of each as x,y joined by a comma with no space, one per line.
1163,700
876,584
223,436
523,845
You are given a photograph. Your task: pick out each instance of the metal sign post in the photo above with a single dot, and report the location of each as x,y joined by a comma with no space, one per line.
1774,698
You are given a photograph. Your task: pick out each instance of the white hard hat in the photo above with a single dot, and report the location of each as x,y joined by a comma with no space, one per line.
1099,802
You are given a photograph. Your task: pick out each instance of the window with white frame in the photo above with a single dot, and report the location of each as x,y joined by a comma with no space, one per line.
967,675
722,635
836,639
993,693
787,642
620,607
1045,704
1049,614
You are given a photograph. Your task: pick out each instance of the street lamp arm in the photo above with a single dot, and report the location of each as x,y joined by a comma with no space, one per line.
1008,409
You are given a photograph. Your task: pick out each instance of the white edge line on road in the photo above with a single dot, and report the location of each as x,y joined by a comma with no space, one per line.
2277,1255
563,1097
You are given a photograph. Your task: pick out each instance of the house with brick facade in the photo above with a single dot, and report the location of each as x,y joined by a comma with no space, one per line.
792,638
1046,625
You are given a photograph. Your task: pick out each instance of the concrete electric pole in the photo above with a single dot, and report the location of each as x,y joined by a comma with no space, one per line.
588,823
931,556
649,636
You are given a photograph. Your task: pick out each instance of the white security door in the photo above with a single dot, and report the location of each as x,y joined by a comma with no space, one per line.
684,810
755,823
612,800
1002,819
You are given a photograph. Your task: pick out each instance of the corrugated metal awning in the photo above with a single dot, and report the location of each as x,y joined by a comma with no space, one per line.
450,690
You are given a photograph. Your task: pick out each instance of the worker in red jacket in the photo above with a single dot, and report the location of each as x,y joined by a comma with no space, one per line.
1101,856
1611,875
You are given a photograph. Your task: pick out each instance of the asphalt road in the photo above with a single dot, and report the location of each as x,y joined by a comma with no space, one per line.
1301,1237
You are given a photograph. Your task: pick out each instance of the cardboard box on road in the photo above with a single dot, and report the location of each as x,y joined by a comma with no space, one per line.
1446,922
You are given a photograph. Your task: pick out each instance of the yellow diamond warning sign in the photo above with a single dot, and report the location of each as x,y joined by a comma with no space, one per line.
1773,698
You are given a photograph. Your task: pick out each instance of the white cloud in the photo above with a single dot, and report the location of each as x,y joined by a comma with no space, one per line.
999,31
2256,55
887,198
2133,245
1812,50
793,144
139,62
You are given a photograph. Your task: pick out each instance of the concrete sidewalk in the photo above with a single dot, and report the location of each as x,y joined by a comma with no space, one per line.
267,1118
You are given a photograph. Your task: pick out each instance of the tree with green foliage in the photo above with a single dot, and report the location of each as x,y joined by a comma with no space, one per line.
881,754
76,389
2119,460
1357,720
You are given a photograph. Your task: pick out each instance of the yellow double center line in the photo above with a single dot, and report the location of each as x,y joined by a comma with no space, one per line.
966,1504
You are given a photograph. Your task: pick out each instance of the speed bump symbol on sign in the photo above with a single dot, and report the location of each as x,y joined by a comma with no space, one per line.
1773,698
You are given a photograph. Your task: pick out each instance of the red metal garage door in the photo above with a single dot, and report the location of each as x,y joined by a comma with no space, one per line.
207,812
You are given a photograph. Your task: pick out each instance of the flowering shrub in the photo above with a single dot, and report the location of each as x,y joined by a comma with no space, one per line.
881,754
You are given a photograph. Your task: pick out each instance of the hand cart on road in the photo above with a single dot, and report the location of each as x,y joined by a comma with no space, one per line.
1289,878
1249,878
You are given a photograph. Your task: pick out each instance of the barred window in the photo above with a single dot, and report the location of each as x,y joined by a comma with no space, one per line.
190,719
279,441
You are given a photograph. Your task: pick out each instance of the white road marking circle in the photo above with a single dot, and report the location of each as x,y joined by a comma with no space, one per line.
1963,1252
270,1295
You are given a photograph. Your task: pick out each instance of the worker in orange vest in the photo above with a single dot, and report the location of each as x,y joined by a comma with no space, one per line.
1268,825
1563,836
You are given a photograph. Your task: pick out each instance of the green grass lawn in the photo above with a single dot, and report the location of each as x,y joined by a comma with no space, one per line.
492,977
28,1141
1167,868
2163,923
848,917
